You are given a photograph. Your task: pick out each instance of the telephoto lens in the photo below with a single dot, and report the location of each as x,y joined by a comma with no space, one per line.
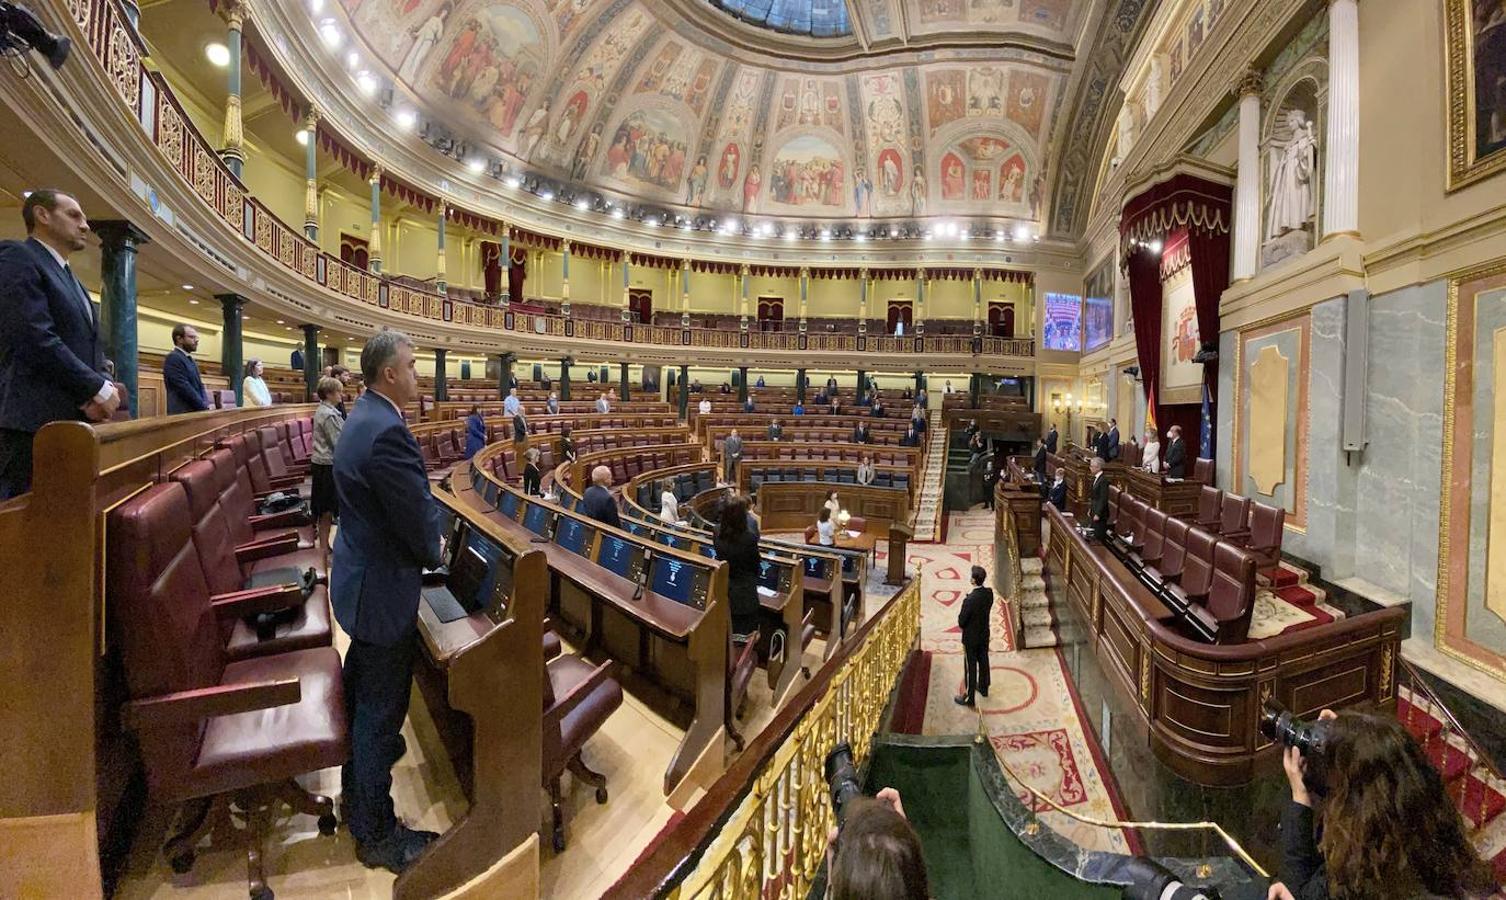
842,776
1281,726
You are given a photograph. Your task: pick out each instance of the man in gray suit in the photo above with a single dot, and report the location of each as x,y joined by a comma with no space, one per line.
732,454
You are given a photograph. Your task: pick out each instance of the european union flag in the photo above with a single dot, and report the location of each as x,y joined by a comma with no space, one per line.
1205,445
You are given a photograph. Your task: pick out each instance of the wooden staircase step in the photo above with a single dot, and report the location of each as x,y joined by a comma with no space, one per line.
1423,726
1478,801
1450,761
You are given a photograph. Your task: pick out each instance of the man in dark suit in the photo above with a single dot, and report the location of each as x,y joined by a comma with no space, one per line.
1108,442
389,533
1051,438
973,620
185,389
1176,454
1098,508
597,501
51,360
750,404
776,431
732,456
861,435
1040,461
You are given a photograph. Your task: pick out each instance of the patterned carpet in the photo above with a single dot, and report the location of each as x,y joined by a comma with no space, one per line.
1285,601
1031,714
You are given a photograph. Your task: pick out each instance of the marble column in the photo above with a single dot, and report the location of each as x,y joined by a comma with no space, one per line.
920,382
565,280
311,175
1342,151
231,340
1153,86
1126,128
805,289
1247,185
441,283
504,372
743,302
684,392
862,301
311,366
565,378
977,302
920,303
374,247
232,151
974,388
506,263
685,294
862,384
800,385
742,383
441,376
624,389
119,241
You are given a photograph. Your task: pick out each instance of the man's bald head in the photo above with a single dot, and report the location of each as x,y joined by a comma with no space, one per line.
601,475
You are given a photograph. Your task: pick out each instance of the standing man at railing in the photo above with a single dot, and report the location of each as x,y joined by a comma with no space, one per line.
389,533
51,360
732,455
512,404
180,374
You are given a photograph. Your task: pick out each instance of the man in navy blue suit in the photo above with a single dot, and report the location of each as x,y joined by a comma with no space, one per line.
389,533
185,389
51,360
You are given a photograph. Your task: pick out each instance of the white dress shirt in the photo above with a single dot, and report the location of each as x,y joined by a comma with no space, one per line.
107,390
826,533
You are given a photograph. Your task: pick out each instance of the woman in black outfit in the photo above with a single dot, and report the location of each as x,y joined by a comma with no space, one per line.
737,545
567,445
1383,824
531,473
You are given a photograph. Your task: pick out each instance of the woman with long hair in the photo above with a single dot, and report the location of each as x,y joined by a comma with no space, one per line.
1384,824
737,545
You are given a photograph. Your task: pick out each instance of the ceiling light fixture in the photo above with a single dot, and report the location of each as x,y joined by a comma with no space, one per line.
406,119
617,213
316,6
186,287
330,33
217,54
583,204
193,302
280,322
367,82
791,235
477,165
352,60
1019,232
302,137
514,182
546,195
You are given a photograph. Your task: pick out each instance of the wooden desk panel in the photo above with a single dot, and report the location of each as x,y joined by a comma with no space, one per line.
793,505
1175,498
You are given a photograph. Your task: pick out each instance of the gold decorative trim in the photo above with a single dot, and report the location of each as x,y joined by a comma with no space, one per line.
1445,586
1463,168
1297,521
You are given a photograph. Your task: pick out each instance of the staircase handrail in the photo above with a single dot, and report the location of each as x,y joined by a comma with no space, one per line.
1416,685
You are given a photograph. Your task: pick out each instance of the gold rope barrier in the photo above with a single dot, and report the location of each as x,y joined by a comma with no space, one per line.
774,843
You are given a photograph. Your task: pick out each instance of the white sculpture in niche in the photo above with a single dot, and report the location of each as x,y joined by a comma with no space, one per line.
1291,200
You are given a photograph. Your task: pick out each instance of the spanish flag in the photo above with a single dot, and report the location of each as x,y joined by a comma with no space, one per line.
1150,410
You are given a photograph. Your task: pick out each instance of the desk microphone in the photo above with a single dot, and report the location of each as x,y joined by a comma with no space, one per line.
540,539
637,591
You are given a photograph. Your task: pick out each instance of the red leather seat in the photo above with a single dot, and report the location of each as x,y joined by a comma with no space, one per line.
1115,500
1209,499
1231,597
239,501
1173,554
278,469
1134,532
1234,517
1202,470
1266,526
211,729
1155,537
578,700
1197,567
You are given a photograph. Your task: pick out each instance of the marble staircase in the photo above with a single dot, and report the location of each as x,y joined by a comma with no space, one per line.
1038,625
929,513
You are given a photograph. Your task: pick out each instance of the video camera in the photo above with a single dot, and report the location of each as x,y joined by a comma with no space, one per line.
842,777
21,30
1310,738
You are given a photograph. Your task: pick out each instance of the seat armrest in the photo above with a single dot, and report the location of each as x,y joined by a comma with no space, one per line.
1236,537
276,545
284,481
584,688
288,518
184,707
253,601
750,649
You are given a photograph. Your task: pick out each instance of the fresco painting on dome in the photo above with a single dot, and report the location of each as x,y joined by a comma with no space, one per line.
567,13
1063,323
966,12
884,110
944,97
1012,180
1098,306
862,192
739,111
1176,61
1046,13
807,101
953,177
658,70
982,184
891,172
807,171
985,91
1195,31
490,64
727,166
1027,99
570,118
649,147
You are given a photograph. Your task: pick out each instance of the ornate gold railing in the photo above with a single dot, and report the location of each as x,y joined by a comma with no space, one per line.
775,841
118,49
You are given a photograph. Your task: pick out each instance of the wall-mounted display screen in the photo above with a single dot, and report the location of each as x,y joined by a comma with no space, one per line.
477,571
1063,323
674,579
1098,306
508,504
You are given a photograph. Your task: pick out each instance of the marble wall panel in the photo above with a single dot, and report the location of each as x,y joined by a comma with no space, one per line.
1224,426
1331,473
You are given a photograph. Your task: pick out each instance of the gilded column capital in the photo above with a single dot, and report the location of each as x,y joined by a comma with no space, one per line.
863,273
747,270
565,247
978,274
1252,82
234,13
311,117
805,272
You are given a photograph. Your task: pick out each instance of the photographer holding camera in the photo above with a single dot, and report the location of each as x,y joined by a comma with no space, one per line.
1383,825
874,854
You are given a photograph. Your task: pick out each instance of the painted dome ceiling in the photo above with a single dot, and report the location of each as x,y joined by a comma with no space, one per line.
937,107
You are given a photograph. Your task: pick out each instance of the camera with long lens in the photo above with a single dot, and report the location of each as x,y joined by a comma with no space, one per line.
21,30
1282,726
842,777
1149,880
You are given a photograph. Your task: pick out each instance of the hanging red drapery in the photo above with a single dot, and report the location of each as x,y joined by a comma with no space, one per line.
1184,217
